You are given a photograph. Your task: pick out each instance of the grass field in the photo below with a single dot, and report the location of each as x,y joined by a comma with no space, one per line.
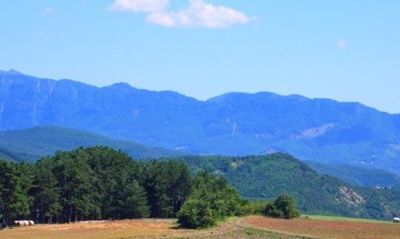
333,228
132,229
347,219
254,227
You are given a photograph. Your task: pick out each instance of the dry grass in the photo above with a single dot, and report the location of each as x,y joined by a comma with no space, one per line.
337,229
254,227
132,229
96,230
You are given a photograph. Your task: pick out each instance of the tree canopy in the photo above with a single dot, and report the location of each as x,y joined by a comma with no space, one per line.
91,183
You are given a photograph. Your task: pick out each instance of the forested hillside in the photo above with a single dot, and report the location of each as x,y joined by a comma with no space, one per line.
266,177
101,183
232,124
92,183
32,144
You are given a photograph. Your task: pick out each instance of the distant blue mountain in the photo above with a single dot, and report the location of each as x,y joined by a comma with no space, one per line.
35,143
232,124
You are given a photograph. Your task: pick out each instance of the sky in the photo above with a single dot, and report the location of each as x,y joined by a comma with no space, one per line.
344,50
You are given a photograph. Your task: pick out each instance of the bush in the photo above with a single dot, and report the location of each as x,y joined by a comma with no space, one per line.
282,207
253,208
196,214
211,200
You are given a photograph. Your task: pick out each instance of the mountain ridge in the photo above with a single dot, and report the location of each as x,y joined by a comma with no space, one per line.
212,98
32,144
321,130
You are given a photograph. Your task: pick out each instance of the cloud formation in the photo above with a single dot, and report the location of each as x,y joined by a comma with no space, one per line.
148,6
198,14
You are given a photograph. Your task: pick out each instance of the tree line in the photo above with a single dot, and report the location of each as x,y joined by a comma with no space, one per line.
101,183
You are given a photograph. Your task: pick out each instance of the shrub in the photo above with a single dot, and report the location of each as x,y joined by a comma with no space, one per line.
282,207
212,199
253,208
196,214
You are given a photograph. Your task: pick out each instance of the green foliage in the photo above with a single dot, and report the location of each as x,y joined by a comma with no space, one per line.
135,202
101,183
282,207
45,192
253,207
212,199
14,187
267,177
89,184
168,184
196,213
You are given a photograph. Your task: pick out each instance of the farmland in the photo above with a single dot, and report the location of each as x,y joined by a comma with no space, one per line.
249,227
144,228
326,227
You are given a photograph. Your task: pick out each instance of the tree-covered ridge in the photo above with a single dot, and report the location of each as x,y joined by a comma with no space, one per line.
101,183
91,183
266,177
32,144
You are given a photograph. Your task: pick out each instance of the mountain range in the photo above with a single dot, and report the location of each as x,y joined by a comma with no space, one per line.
32,144
320,130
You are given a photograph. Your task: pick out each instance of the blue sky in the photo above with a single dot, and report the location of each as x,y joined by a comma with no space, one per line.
345,50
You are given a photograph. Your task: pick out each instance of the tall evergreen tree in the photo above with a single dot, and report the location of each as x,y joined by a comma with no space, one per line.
46,193
74,179
168,185
14,199
135,201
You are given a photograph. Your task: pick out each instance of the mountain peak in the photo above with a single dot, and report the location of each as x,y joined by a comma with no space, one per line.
231,124
12,71
121,86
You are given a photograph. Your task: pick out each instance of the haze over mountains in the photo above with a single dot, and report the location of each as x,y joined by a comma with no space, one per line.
32,144
232,124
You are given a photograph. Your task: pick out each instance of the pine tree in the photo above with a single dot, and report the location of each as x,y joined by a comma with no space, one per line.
135,203
46,206
14,199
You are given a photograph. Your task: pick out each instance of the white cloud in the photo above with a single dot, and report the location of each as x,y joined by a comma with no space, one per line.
148,6
199,13
341,43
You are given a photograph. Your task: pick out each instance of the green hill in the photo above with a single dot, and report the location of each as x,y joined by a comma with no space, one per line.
265,177
32,144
